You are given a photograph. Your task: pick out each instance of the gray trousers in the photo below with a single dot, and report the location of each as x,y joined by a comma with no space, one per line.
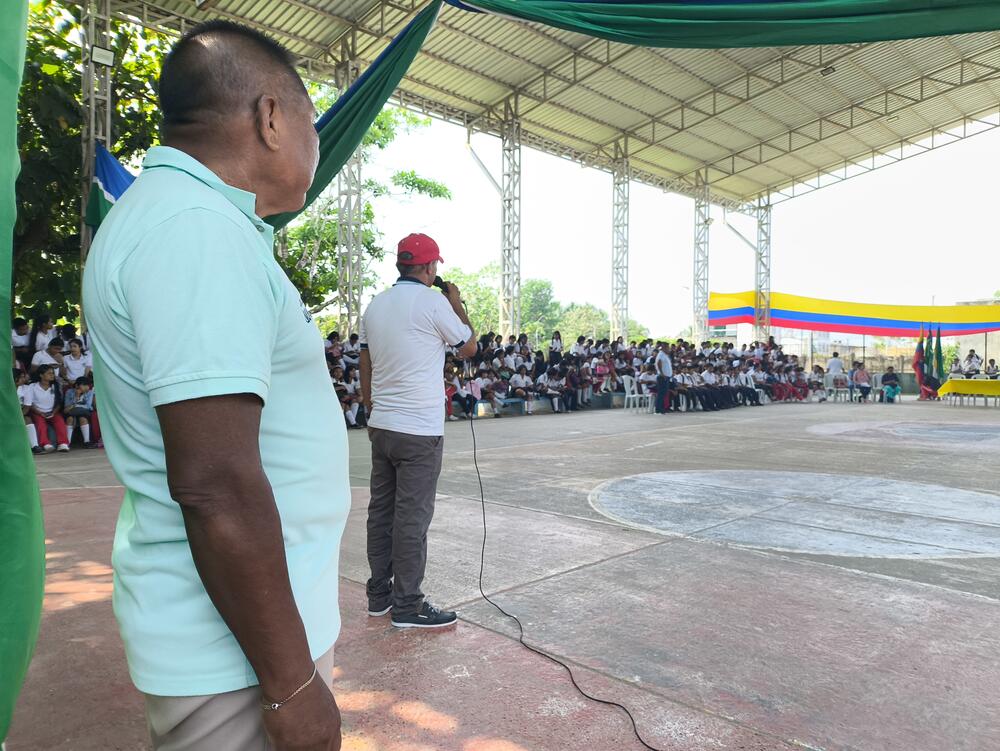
405,471
220,722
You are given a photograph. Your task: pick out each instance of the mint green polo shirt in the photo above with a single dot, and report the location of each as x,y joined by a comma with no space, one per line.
184,300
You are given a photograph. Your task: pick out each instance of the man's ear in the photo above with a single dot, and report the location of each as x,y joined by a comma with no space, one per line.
267,120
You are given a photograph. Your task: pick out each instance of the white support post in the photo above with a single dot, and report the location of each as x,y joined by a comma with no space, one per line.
95,30
619,243
510,221
762,273
350,218
699,286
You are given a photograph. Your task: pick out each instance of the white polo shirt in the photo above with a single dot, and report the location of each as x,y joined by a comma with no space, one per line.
41,398
42,357
406,330
664,367
77,366
43,338
19,340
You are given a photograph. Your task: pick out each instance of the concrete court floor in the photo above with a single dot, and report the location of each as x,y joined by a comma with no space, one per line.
759,579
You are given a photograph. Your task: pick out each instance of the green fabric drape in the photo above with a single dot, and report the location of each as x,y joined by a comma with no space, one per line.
22,541
342,129
738,23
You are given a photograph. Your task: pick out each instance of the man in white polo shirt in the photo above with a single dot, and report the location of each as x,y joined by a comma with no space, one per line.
404,334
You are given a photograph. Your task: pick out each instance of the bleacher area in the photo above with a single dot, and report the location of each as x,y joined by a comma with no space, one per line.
637,402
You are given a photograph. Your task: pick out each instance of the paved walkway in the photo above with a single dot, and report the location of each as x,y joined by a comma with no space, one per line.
683,564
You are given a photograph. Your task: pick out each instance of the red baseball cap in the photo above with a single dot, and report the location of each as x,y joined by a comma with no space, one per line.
417,249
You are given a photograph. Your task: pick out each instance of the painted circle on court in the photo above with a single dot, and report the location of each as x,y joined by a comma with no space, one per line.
945,436
808,512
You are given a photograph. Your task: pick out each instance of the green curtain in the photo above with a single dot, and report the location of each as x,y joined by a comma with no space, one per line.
22,540
745,23
344,125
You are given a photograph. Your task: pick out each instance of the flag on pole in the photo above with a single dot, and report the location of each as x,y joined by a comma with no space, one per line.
22,539
939,358
929,353
918,361
110,181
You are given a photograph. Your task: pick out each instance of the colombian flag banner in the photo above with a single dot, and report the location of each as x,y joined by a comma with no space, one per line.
813,314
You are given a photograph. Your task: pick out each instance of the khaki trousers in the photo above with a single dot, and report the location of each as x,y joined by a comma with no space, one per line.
218,722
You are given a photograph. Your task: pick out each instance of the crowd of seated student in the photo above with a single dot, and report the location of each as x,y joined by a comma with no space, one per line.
711,376
52,371
342,358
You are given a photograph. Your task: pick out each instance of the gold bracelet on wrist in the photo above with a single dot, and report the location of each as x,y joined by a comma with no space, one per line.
274,706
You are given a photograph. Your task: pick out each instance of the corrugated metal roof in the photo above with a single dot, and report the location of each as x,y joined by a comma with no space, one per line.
760,120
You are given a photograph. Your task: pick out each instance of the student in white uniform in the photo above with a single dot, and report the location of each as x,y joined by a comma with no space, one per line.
551,386
20,341
51,355
555,348
24,399
77,364
523,388
42,332
45,406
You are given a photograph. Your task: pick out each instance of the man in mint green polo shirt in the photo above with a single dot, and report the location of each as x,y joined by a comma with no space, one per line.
233,453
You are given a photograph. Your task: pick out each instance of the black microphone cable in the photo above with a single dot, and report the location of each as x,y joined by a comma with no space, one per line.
520,627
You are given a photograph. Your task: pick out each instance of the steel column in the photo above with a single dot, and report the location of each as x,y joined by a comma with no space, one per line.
95,29
619,242
699,286
510,221
762,273
351,263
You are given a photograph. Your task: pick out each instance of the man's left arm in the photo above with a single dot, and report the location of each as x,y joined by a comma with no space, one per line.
365,364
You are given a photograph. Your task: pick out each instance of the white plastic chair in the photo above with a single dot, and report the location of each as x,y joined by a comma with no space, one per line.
975,397
837,394
954,398
633,399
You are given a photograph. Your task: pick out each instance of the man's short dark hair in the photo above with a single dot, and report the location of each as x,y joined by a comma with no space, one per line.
408,270
55,342
199,80
18,323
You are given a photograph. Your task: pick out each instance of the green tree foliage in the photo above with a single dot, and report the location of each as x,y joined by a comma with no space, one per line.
50,118
309,251
636,331
540,310
480,292
583,320
541,313
592,322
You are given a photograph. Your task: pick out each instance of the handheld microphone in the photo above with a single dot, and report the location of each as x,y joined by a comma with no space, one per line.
443,286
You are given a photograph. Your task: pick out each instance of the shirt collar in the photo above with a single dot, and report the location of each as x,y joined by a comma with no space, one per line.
409,280
246,202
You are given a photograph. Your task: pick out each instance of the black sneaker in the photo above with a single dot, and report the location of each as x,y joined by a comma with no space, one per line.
427,617
380,605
